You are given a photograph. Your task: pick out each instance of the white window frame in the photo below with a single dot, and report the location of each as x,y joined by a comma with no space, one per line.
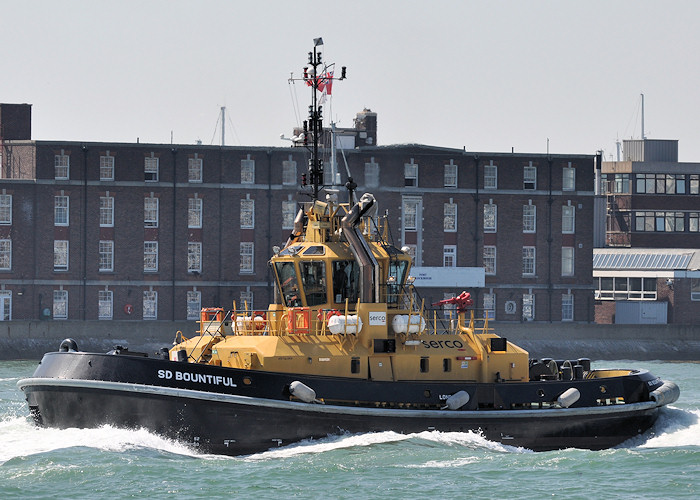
195,168
151,168
449,256
6,255
106,256
194,212
60,304
246,300
530,177
150,256
247,215
490,176
529,261
247,170
567,261
289,172
489,260
105,304
5,305
247,253
107,167
150,304
106,211
529,306
489,305
194,304
529,218
289,208
410,174
567,307
372,173
5,209
450,176
151,211
490,217
568,219
568,178
61,255
61,210
61,166
450,217
410,214
194,256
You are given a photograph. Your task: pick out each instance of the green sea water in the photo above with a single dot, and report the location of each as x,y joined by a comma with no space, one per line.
118,463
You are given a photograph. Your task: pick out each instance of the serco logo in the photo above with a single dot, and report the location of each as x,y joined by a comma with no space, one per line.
377,318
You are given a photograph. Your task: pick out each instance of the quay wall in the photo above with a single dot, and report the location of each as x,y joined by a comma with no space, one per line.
31,339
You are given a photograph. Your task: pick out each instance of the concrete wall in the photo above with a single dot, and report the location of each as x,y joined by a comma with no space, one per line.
31,339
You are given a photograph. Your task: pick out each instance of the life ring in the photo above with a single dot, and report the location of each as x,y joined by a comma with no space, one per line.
128,308
259,313
259,320
328,314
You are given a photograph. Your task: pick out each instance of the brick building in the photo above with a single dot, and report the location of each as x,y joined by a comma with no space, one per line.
645,270
153,231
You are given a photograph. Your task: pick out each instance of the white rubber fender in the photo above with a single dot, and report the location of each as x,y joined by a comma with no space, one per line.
666,394
568,397
302,391
457,400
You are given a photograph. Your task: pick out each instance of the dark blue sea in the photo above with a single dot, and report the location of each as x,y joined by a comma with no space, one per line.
117,463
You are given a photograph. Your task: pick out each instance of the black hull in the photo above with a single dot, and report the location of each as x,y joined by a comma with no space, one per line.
229,417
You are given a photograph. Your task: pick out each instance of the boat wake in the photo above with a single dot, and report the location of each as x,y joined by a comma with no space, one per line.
21,438
675,428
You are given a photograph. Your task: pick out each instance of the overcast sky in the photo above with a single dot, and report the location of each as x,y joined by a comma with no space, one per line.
485,75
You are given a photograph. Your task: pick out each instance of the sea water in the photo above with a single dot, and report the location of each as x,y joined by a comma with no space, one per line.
116,463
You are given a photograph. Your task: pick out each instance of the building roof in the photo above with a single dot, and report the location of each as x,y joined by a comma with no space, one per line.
648,259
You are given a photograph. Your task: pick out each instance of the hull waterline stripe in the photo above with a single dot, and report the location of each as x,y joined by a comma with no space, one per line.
332,409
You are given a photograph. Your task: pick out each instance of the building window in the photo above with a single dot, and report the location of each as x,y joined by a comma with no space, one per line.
568,219
659,221
106,257
194,212
449,311
567,307
489,260
528,261
694,184
410,174
372,173
450,217
694,288
106,211
693,222
288,214
617,183
662,183
528,306
60,304
568,178
490,176
60,255
61,166
247,257
194,304
150,256
449,256
451,175
5,255
104,304
246,299
529,177
107,168
626,288
567,261
490,305
410,215
150,304
150,168
61,211
490,217
150,212
289,172
194,169
5,209
248,171
5,302
412,252
247,214
529,218
194,257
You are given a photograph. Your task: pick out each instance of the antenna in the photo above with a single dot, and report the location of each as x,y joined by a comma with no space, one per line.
643,117
223,125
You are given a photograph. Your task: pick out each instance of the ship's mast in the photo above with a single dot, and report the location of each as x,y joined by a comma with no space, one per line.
318,78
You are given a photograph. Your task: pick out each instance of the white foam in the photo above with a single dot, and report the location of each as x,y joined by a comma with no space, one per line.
675,428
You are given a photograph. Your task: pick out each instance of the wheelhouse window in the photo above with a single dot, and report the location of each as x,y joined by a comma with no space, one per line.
313,280
346,279
288,283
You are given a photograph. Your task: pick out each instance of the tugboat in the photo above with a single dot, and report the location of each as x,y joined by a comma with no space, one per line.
346,346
